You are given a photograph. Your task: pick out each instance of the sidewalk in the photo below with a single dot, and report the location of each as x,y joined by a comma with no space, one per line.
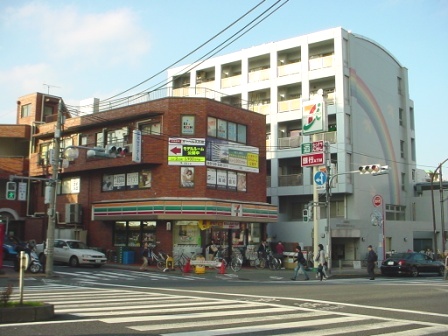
246,273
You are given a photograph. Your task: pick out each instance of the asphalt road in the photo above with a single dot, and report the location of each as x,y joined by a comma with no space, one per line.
114,301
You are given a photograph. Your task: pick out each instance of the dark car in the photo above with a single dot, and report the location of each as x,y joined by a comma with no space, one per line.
10,245
411,263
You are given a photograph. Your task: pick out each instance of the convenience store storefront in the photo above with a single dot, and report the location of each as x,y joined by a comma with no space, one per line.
180,225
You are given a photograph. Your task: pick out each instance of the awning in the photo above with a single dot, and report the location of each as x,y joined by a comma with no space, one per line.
180,209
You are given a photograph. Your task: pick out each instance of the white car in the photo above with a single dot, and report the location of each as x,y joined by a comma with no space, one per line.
74,253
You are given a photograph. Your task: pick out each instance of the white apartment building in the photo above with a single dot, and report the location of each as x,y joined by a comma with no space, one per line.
370,121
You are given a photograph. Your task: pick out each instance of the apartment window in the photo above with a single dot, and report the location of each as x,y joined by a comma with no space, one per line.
83,140
411,117
70,185
399,83
223,129
395,212
403,181
118,136
402,148
44,150
25,111
152,127
400,116
99,139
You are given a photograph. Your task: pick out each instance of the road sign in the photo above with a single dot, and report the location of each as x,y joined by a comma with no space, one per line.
320,178
377,200
313,147
315,159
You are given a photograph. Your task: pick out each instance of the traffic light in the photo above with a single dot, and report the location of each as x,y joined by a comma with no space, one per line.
111,151
369,169
305,215
375,169
11,191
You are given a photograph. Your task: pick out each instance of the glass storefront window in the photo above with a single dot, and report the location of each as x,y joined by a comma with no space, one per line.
120,234
133,233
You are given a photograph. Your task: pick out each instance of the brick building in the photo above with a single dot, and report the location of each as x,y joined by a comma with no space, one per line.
177,172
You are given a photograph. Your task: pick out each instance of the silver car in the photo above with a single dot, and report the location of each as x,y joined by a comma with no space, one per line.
75,253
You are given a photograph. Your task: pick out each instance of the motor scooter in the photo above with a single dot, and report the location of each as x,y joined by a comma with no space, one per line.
34,265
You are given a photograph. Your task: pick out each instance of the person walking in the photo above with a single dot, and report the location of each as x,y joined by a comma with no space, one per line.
372,258
301,262
280,249
320,259
145,257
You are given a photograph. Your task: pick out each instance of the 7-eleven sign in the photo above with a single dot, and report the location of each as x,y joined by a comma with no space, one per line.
237,210
314,117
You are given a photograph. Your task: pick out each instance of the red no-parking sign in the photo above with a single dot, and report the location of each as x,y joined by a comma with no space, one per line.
377,200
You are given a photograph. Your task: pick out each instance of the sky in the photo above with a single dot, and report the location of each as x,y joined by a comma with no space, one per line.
81,49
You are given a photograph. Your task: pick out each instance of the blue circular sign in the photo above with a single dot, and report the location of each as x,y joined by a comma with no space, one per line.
320,178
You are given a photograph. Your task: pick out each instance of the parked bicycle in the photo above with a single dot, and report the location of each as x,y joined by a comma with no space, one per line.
157,257
180,260
236,263
267,260
220,257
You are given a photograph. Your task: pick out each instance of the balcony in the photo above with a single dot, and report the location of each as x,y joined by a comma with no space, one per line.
231,81
289,105
290,180
321,62
331,137
289,142
261,107
289,69
259,75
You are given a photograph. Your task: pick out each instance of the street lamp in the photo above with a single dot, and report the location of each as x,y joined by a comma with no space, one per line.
374,170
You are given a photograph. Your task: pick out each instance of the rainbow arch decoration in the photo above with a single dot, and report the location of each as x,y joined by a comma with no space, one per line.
367,101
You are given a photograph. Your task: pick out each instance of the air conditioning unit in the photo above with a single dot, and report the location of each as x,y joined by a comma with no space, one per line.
73,213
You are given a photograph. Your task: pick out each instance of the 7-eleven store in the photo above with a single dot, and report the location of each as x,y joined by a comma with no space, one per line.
186,225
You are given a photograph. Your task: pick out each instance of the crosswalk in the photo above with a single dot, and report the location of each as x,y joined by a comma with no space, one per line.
187,315
124,275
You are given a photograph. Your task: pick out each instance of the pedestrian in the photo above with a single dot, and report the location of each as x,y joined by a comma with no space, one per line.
320,259
263,249
212,249
280,249
301,262
372,258
145,257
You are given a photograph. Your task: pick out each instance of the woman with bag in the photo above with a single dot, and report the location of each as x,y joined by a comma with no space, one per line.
301,262
320,258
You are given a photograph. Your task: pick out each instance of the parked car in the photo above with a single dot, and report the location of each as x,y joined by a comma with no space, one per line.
74,253
10,245
411,263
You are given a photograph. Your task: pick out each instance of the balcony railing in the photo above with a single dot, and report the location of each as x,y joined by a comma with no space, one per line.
263,108
321,62
289,69
290,180
259,75
289,105
331,137
289,142
231,81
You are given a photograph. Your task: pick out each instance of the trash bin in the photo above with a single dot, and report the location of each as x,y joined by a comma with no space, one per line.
128,257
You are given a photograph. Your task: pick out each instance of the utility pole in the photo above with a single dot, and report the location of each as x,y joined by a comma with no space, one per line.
327,200
53,192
